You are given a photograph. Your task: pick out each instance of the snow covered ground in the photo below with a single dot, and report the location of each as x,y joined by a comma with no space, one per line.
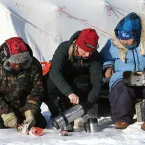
106,135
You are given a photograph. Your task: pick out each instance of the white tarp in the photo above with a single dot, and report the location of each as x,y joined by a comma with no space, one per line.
44,24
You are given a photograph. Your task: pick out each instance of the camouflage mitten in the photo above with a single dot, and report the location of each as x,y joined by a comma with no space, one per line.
29,118
10,120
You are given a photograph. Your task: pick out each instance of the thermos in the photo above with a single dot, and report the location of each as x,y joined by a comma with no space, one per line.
68,116
68,127
134,78
91,125
138,79
140,111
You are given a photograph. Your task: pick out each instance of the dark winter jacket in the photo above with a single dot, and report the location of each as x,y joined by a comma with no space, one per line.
21,91
65,67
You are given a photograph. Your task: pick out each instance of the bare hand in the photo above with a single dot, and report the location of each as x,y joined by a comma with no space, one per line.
74,99
109,72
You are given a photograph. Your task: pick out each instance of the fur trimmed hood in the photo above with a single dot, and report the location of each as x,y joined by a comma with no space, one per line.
123,50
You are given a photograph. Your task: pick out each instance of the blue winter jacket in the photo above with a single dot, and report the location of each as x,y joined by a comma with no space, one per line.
134,61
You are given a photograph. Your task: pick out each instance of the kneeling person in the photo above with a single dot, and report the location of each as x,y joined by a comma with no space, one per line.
21,86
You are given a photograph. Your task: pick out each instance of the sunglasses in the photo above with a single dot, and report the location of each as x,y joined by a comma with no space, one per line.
90,46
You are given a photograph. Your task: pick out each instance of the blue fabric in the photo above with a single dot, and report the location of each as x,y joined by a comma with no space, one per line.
110,54
129,27
124,36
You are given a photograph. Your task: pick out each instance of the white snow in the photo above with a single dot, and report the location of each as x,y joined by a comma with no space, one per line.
106,135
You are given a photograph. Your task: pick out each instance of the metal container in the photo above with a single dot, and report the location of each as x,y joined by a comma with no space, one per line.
137,79
68,116
140,111
68,127
91,126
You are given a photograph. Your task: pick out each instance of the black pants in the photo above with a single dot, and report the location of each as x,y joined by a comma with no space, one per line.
122,101
40,120
57,102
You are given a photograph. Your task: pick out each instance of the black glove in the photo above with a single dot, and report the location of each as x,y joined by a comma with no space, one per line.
86,106
127,78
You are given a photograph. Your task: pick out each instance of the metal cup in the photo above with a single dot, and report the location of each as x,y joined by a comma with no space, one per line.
140,111
91,126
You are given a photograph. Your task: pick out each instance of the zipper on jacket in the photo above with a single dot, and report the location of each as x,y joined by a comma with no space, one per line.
134,61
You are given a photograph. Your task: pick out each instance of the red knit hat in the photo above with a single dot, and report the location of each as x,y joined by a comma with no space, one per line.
88,40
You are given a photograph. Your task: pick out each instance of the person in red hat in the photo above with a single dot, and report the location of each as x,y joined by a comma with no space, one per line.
21,88
76,73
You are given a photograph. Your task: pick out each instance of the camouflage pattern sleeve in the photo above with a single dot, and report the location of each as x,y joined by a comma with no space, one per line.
4,108
34,99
